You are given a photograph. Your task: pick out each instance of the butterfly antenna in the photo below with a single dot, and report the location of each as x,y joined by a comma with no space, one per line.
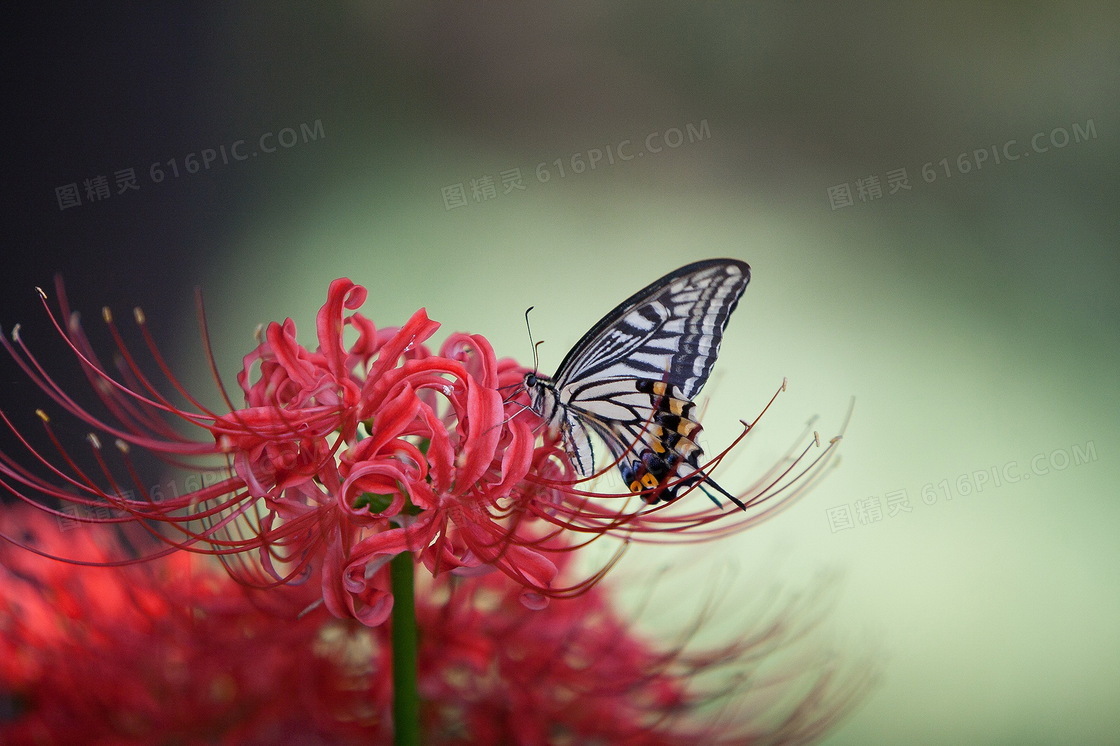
532,344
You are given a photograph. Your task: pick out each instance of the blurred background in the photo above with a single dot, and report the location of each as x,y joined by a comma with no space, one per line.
927,197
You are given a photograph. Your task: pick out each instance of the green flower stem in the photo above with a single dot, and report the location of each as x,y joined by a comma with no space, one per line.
406,696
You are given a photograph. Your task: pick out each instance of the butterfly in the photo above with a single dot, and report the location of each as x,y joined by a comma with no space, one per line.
632,378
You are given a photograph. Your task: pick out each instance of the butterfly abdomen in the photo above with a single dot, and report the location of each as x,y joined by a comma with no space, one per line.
668,448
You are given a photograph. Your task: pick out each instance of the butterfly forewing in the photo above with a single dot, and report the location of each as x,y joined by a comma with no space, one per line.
631,378
670,331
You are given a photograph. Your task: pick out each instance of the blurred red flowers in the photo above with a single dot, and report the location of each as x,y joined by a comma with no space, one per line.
174,651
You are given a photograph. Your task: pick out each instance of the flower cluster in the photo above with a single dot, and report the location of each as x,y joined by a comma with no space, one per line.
175,651
348,454
169,651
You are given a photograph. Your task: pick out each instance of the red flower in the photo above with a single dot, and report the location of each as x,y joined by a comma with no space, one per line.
350,453
168,651
175,651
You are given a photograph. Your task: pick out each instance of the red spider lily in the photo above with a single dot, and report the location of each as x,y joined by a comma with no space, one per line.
171,651
348,454
175,651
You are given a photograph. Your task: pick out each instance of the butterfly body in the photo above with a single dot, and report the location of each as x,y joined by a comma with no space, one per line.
632,378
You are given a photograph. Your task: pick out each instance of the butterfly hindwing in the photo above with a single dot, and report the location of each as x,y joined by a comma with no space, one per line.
631,379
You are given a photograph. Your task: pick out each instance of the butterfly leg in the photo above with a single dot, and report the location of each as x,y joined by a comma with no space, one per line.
709,482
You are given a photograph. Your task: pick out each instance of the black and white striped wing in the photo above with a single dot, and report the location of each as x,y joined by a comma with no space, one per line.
668,333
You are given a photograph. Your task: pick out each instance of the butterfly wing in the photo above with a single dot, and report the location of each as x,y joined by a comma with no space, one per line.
632,377
669,331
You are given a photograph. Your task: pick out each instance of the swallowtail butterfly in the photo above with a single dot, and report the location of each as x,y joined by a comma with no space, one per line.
632,378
